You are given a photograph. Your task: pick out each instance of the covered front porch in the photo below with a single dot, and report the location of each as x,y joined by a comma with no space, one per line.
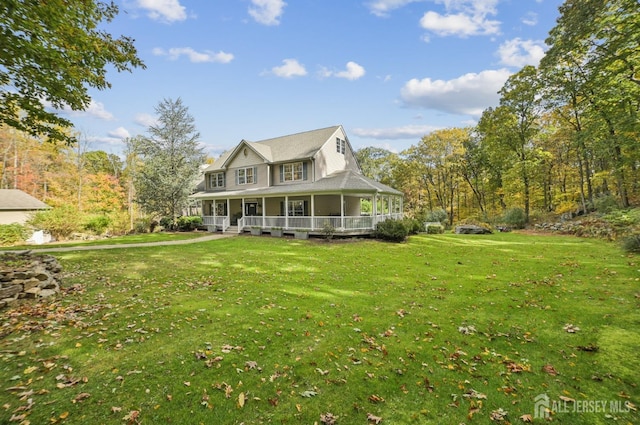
340,213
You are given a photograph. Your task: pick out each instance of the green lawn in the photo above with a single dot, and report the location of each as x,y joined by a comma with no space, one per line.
443,329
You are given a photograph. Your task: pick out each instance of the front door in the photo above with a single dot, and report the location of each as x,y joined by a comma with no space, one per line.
251,208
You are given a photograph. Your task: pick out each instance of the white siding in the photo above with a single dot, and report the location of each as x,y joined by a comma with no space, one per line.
329,160
245,158
11,217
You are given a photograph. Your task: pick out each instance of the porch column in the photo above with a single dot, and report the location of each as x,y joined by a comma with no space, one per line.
313,208
263,211
243,208
228,211
342,210
213,213
286,211
374,212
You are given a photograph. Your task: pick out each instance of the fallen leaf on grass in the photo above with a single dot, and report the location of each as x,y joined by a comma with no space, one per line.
376,399
80,397
373,418
132,417
474,394
472,411
308,393
30,369
18,418
116,409
567,399
550,370
526,418
252,365
514,367
571,328
589,348
241,400
498,415
328,418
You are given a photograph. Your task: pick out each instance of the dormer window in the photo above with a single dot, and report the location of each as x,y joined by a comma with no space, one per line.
296,171
216,180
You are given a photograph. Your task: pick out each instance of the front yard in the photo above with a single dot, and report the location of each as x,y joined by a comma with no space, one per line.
442,329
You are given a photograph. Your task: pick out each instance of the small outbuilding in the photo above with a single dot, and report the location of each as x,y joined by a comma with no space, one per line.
17,206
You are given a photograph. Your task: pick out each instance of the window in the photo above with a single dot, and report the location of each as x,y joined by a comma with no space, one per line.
296,171
297,208
216,180
340,145
246,175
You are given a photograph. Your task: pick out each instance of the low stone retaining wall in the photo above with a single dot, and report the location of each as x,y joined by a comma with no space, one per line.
28,275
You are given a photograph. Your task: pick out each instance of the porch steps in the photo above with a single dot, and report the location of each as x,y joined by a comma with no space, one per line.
231,229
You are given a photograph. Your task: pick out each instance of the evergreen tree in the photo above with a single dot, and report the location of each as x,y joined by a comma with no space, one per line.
171,159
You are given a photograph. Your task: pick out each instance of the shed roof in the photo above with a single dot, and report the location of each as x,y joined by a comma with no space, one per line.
17,200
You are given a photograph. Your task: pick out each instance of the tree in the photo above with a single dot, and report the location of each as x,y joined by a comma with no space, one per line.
171,160
596,42
376,163
102,162
437,159
52,52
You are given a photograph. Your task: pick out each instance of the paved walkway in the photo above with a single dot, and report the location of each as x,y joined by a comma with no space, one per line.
209,237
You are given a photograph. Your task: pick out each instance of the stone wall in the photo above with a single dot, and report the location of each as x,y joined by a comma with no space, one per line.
27,275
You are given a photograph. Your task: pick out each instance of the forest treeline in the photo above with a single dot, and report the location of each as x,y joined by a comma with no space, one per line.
563,139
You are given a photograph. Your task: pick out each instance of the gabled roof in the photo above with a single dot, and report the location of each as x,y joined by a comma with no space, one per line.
17,200
282,149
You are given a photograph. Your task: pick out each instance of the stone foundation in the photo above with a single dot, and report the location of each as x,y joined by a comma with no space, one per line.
27,275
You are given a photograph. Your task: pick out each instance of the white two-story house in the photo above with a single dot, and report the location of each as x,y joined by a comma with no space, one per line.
304,181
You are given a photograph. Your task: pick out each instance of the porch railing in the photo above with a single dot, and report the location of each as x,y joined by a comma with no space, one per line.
217,222
317,223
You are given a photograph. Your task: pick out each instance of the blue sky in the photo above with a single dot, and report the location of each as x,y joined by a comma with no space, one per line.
389,71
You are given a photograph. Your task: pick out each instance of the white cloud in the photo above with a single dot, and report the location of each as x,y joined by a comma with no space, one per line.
469,94
383,7
163,10
463,18
194,56
291,68
518,53
531,19
394,133
352,72
95,110
267,12
145,120
119,133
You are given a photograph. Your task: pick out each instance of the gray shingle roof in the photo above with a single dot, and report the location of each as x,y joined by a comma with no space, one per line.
17,200
284,148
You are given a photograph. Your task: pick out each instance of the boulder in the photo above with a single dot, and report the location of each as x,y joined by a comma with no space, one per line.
471,229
